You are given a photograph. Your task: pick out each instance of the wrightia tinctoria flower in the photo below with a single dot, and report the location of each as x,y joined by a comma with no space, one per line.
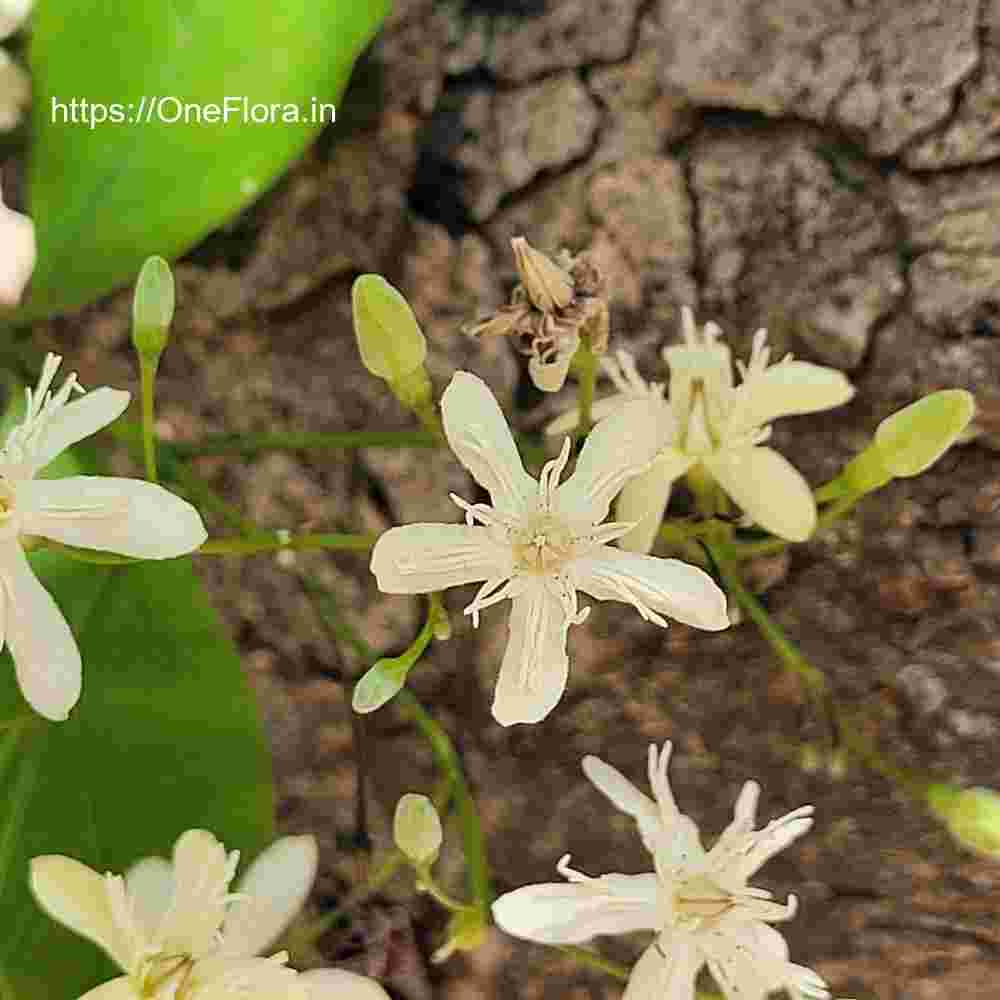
708,425
177,931
698,902
127,516
539,543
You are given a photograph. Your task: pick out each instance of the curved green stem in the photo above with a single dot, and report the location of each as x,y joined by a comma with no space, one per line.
836,510
585,366
279,541
590,958
147,381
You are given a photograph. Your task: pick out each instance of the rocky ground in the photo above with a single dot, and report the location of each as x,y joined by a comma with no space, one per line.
827,168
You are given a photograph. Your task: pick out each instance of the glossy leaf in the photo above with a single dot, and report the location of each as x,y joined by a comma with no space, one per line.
105,197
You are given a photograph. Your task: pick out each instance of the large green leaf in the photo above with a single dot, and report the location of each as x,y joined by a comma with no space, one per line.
165,738
105,198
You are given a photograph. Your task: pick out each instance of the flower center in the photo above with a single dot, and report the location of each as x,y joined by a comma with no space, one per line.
698,901
542,544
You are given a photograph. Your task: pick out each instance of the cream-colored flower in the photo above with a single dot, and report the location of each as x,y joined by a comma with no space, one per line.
539,543
127,516
711,424
17,239
177,931
698,902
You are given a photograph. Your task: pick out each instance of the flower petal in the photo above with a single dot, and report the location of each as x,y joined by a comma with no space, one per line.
275,888
481,440
644,499
420,558
785,389
46,657
611,783
769,488
619,447
116,989
338,984
78,420
17,231
202,873
77,897
535,665
149,885
666,970
567,422
653,586
127,516
220,978
572,912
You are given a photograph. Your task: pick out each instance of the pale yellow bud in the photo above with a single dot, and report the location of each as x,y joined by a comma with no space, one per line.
548,286
972,816
416,829
390,341
914,438
152,308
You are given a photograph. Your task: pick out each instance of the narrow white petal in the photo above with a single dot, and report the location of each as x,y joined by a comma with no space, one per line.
274,890
202,873
769,488
653,586
117,989
739,858
785,389
666,970
127,516
535,665
481,440
644,499
77,897
573,912
338,984
46,657
618,448
78,420
420,558
625,796
149,885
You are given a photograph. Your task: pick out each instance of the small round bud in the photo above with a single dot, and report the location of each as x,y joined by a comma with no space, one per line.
389,338
972,816
416,829
152,308
914,438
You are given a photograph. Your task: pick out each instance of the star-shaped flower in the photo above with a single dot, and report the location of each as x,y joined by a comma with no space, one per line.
127,516
539,543
179,933
698,902
709,424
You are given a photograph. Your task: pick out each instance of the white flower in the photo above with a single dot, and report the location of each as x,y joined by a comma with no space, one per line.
539,543
177,931
127,516
709,422
17,237
698,902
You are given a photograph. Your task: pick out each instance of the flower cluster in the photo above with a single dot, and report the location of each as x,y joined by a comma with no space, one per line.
697,901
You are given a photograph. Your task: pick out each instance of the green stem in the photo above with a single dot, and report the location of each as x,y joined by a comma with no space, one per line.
280,541
147,379
473,843
787,652
249,444
585,365
590,958
426,883
836,510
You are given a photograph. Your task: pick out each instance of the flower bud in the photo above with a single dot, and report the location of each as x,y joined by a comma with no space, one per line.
152,309
381,684
17,254
972,816
914,438
391,343
416,829
548,286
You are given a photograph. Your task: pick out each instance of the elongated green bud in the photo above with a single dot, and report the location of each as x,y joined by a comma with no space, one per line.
152,309
915,437
972,816
416,828
391,343
381,683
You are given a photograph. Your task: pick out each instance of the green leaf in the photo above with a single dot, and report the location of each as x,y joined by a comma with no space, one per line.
164,739
105,198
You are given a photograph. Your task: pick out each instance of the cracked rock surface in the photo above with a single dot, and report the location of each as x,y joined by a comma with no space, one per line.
826,168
